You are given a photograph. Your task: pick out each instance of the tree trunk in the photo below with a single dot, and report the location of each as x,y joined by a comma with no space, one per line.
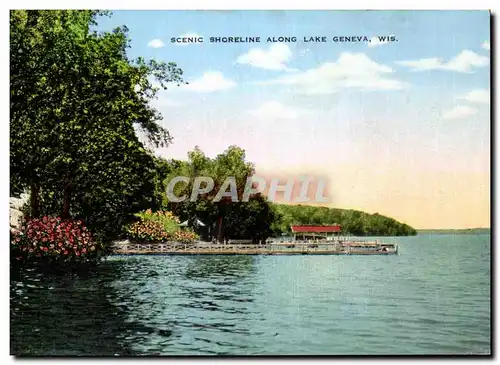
153,203
35,203
219,232
67,202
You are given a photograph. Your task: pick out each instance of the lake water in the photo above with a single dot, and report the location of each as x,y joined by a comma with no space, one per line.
432,298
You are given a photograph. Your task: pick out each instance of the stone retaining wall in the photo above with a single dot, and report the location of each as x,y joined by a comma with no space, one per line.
16,216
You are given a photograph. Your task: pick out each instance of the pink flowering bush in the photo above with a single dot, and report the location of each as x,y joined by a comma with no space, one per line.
54,239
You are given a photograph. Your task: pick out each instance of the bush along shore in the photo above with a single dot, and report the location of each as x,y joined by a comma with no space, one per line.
160,226
52,241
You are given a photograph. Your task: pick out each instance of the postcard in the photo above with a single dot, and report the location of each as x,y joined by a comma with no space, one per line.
250,183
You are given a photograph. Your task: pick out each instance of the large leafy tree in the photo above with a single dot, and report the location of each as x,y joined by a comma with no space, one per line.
36,38
76,103
224,217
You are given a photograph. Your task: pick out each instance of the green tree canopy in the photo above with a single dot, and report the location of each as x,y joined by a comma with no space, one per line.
76,102
226,219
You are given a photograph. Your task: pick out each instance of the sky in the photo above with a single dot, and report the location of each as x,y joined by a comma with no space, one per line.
400,128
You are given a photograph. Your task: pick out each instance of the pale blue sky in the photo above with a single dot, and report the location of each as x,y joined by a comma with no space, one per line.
417,106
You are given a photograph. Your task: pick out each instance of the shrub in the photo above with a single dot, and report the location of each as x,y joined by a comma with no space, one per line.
185,236
56,240
167,220
147,230
159,226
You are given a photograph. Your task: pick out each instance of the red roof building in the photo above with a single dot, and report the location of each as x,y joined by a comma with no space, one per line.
316,229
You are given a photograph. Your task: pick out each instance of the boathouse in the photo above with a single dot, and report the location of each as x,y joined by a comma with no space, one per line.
315,232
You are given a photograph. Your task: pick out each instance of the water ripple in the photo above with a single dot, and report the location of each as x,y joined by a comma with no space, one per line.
434,298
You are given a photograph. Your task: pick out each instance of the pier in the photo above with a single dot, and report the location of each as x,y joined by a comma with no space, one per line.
283,248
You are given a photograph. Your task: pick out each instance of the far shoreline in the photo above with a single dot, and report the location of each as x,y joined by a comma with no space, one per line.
476,231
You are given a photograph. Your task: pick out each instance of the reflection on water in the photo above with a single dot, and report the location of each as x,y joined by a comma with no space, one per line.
134,305
431,299
68,315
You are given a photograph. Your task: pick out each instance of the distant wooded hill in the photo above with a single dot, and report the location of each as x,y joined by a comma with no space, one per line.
352,221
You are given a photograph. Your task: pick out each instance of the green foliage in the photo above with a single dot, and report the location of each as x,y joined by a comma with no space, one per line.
168,221
250,220
258,219
224,218
159,226
147,230
76,102
352,221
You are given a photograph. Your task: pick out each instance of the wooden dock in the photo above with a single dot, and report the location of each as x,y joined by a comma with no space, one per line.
129,248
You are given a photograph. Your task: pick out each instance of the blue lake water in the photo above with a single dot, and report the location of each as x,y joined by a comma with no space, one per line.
432,298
